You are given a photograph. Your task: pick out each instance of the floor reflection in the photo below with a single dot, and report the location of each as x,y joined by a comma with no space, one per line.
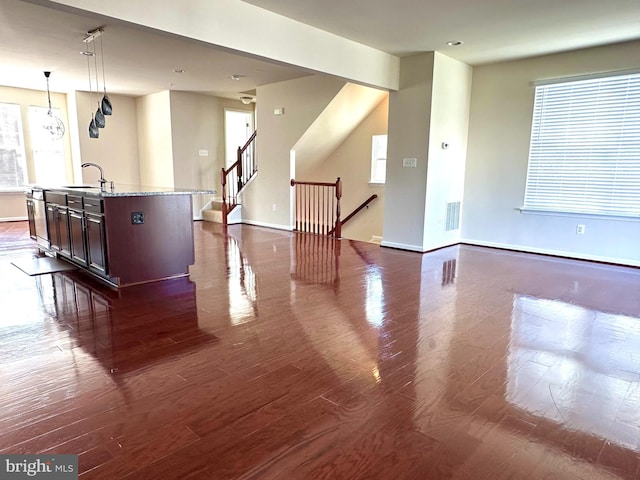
108,325
243,296
585,368
317,260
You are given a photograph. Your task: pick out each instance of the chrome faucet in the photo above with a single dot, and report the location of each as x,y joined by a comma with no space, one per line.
102,180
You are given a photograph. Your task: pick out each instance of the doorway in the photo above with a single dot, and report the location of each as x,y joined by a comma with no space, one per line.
238,127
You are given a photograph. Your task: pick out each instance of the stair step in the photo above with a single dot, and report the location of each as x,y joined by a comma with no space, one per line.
214,216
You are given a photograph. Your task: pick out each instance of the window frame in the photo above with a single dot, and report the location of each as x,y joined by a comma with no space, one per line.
21,160
374,174
563,97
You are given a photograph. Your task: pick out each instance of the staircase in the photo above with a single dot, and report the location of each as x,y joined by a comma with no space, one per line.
233,180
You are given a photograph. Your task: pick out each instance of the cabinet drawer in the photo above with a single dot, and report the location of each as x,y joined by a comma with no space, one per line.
74,201
93,205
55,197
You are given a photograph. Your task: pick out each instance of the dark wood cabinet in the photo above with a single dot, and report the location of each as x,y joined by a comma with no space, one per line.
96,243
78,237
123,239
58,228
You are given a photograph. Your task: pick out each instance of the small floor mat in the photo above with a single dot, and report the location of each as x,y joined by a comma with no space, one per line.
40,265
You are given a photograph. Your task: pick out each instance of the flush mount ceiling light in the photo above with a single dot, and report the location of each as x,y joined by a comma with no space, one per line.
454,43
53,124
246,100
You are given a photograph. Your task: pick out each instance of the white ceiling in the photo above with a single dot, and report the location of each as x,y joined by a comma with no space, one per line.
492,30
34,38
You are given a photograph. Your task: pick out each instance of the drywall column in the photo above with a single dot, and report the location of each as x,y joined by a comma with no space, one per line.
409,126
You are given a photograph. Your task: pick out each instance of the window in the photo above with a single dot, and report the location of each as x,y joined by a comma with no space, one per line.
378,158
13,171
584,155
48,153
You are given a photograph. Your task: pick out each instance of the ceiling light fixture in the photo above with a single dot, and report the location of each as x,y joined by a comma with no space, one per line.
454,43
178,70
53,124
246,100
235,77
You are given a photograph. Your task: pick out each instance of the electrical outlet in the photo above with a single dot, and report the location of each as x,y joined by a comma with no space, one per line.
580,229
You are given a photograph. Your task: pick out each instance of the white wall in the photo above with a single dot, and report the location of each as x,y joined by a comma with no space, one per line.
409,125
155,150
351,161
500,125
197,123
449,123
303,100
116,149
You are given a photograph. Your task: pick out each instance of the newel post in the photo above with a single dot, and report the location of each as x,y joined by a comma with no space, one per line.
338,227
223,182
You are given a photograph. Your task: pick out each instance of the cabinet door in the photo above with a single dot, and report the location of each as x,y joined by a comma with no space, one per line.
52,226
96,243
77,237
64,236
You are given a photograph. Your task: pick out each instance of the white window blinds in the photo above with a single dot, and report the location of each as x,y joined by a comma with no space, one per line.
584,155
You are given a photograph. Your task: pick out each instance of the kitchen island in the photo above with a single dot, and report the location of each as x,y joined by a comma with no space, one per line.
122,234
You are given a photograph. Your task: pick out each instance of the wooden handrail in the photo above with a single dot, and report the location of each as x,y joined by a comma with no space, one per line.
357,210
251,138
362,205
243,170
317,184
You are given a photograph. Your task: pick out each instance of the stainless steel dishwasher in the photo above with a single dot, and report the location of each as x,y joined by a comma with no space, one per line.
40,217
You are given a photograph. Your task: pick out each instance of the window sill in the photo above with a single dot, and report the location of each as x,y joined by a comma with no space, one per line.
376,184
595,216
12,192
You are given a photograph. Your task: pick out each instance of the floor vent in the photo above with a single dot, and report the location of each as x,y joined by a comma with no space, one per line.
453,216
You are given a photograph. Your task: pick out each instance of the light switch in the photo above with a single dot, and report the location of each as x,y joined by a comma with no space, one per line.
409,162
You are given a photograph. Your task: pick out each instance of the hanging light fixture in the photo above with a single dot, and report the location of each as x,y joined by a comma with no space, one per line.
104,106
99,116
107,108
53,124
94,132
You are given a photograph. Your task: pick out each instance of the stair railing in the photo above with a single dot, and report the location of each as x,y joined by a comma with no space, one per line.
317,207
234,178
357,210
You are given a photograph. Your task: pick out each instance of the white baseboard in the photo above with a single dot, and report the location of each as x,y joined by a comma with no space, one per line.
13,219
268,225
557,253
402,246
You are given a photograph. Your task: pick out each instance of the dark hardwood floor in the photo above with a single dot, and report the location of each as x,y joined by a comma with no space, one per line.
292,357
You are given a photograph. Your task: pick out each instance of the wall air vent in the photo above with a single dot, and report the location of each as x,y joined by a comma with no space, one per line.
452,221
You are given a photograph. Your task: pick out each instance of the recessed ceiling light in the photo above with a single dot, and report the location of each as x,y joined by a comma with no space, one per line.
87,53
236,77
454,43
178,70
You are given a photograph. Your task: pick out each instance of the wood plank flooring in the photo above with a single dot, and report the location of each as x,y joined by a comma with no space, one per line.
291,357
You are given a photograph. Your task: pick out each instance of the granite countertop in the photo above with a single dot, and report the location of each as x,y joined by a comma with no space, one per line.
122,190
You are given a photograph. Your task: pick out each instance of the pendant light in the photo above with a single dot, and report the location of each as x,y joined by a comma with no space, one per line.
53,124
99,116
94,132
107,108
